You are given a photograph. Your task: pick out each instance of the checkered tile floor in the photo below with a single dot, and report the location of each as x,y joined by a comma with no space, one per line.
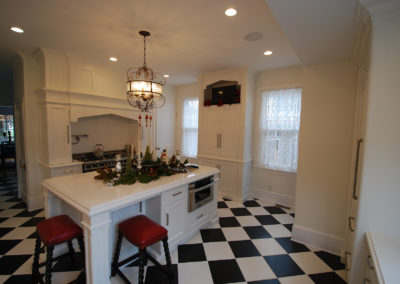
251,244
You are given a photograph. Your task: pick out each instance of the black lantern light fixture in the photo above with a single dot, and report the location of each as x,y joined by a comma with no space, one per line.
144,88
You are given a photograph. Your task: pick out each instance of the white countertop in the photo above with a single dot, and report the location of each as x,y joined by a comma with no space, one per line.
385,252
92,196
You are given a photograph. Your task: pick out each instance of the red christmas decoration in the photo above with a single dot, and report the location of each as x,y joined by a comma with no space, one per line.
150,120
147,117
140,120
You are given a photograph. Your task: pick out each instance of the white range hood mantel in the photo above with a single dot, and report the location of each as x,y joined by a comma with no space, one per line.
88,90
86,104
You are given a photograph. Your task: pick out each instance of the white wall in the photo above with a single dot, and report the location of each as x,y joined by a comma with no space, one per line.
6,92
183,92
379,208
112,131
275,186
165,122
325,148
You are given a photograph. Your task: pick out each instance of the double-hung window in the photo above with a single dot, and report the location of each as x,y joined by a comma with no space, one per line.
279,129
190,126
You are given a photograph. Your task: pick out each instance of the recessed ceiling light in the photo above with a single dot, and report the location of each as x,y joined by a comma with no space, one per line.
166,76
17,30
230,12
113,59
268,52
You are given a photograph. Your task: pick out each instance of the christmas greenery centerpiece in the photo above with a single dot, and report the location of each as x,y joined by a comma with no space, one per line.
148,168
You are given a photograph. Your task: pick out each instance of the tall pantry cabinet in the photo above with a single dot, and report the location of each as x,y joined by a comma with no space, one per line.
225,133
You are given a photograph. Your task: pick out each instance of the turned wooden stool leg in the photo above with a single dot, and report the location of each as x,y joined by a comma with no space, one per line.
168,258
142,257
71,250
114,267
82,249
35,264
49,261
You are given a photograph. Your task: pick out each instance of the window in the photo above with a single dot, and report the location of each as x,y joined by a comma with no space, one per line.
279,129
6,124
190,125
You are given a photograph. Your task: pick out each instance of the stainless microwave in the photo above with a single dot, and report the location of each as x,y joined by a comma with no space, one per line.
200,193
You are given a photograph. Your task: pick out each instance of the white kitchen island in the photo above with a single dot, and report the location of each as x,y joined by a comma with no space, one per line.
99,208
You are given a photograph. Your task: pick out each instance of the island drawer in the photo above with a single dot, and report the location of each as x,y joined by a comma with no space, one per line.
199,216
175,194
67,170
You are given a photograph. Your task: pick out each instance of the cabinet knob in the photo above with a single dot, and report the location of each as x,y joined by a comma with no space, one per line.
176,194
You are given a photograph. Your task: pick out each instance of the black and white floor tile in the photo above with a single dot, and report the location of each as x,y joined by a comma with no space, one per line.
251,244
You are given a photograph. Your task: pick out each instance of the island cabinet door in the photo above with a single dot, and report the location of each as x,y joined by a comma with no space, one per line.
174,220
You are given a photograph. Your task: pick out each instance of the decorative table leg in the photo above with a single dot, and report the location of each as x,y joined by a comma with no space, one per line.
97,238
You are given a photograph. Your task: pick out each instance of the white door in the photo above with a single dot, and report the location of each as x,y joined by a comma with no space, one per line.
210,130
357,163
230,130
20,150
165,129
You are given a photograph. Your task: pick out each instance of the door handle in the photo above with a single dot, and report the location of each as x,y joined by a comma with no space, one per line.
355,197
369,257
350,223
220,140
68,134
167,219
348,260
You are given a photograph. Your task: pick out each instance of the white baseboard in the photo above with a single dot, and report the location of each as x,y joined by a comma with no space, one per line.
317,239
274,197
35,202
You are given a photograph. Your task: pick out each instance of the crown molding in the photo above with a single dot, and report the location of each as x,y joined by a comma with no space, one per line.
382,8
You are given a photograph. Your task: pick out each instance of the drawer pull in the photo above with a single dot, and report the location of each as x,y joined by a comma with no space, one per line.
68,171
200,216
167,219
351,223
366,281
369,262
176,194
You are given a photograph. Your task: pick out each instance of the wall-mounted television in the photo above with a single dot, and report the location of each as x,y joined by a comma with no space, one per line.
222,93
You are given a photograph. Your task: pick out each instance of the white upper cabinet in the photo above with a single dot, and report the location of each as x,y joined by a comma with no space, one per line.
55,134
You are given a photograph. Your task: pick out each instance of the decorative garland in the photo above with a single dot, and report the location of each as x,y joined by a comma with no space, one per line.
149,169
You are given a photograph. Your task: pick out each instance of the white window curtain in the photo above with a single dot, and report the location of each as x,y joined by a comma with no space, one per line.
190,126
279,129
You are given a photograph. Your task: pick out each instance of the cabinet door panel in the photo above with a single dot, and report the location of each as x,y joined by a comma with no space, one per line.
209,132
228,182
60,150
174,220
230,131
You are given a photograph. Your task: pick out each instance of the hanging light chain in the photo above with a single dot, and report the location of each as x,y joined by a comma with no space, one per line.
144,51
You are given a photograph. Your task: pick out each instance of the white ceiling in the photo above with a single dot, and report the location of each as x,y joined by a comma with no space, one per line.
319,30
189,37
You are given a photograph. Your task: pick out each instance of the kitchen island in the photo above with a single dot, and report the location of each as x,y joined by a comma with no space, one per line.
99,208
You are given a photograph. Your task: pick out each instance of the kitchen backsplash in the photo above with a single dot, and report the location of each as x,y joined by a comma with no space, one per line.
112,131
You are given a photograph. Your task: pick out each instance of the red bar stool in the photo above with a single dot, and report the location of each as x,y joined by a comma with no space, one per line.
141,232
52,232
